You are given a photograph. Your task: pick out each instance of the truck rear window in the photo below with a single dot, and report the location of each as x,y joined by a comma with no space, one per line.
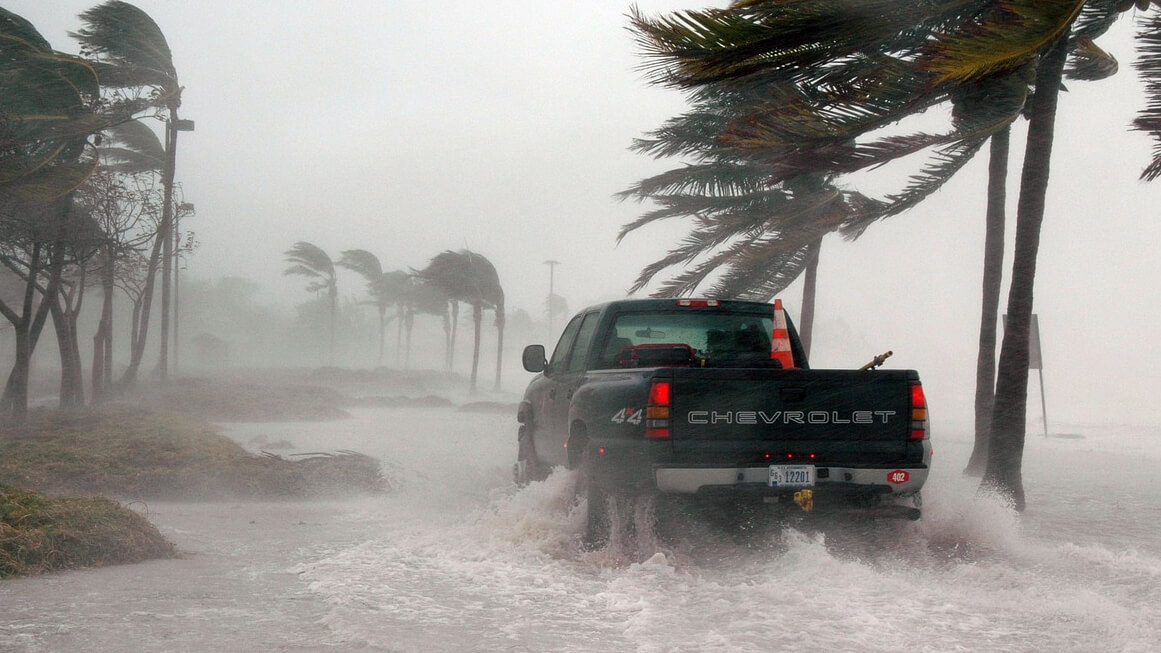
662,337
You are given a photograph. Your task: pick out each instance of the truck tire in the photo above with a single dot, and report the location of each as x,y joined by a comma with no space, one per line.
528,468
597,525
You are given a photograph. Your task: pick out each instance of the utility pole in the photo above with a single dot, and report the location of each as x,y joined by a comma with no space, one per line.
551,294
166,231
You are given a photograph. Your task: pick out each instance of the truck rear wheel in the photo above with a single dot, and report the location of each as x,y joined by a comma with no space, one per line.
597,523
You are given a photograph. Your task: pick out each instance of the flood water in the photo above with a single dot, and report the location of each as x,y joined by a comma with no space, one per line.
457,559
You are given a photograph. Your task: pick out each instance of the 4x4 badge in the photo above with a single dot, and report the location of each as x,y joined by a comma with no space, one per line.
629,416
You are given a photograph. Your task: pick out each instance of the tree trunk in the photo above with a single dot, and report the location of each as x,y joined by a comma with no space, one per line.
72,383
499,348
16,391
382,334
407,357
404,317
451,342
141,310
103,341
67,397
28,328
334,297
477,318
134,333
98,373
809,288
78,363
1006,449
989,313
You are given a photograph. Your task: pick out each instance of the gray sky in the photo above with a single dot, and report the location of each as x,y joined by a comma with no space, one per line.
406,128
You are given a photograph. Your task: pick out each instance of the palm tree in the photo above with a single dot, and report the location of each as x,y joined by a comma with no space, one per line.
311,261
130,51
423,297
960,47
759,206
989,312
385,288
469,277
47,113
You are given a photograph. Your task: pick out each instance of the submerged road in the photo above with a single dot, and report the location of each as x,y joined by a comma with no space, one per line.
457,559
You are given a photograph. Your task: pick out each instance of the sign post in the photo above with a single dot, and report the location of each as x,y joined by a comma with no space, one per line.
1035,362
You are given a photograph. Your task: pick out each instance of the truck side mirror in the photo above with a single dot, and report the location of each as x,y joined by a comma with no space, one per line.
533,358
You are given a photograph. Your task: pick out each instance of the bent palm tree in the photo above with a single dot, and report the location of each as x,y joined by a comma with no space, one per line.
383,289
469,277
131,52
311,261
46,116
423,297
919,54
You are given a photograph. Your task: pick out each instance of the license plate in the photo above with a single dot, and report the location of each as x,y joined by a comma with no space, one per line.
791,475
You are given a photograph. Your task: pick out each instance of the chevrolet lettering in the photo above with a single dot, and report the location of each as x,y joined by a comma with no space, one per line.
789,417
714,401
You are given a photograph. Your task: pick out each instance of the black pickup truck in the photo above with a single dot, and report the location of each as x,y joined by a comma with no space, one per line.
715,399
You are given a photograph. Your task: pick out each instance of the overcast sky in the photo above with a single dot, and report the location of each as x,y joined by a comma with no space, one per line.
406,128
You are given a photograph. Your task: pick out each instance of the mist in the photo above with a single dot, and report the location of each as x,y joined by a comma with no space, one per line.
408,129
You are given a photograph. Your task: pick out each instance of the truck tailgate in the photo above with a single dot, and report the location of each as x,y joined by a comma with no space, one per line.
789,406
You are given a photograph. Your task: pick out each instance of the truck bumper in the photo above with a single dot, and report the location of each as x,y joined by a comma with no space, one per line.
755,480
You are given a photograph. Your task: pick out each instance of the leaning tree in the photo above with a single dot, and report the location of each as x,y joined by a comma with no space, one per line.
129,51
469,277
48,111
886,70
310,261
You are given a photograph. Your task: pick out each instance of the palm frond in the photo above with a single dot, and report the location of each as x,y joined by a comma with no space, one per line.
1088,62
1003,36
712,178
120,34
1148,66
763,271
465,276
691,48
46,115
944,164
1096,18
132,146
311,261
48,184
363,263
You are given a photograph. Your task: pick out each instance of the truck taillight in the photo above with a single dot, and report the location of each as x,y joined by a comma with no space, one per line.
657,411
698,303
918,412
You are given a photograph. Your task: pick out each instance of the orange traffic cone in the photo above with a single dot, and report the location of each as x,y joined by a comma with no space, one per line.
780,347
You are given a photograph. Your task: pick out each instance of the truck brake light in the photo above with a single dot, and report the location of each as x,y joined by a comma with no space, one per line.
698,303
918,412
657,410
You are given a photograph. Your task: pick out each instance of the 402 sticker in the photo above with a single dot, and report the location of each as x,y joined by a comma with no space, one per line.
629,416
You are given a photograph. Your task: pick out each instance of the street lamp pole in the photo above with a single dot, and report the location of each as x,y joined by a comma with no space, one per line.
167,232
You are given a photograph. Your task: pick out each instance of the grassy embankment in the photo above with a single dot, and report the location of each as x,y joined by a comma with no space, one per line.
39,533
135,454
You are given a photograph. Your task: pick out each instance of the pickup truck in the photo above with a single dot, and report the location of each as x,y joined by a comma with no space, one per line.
715,399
